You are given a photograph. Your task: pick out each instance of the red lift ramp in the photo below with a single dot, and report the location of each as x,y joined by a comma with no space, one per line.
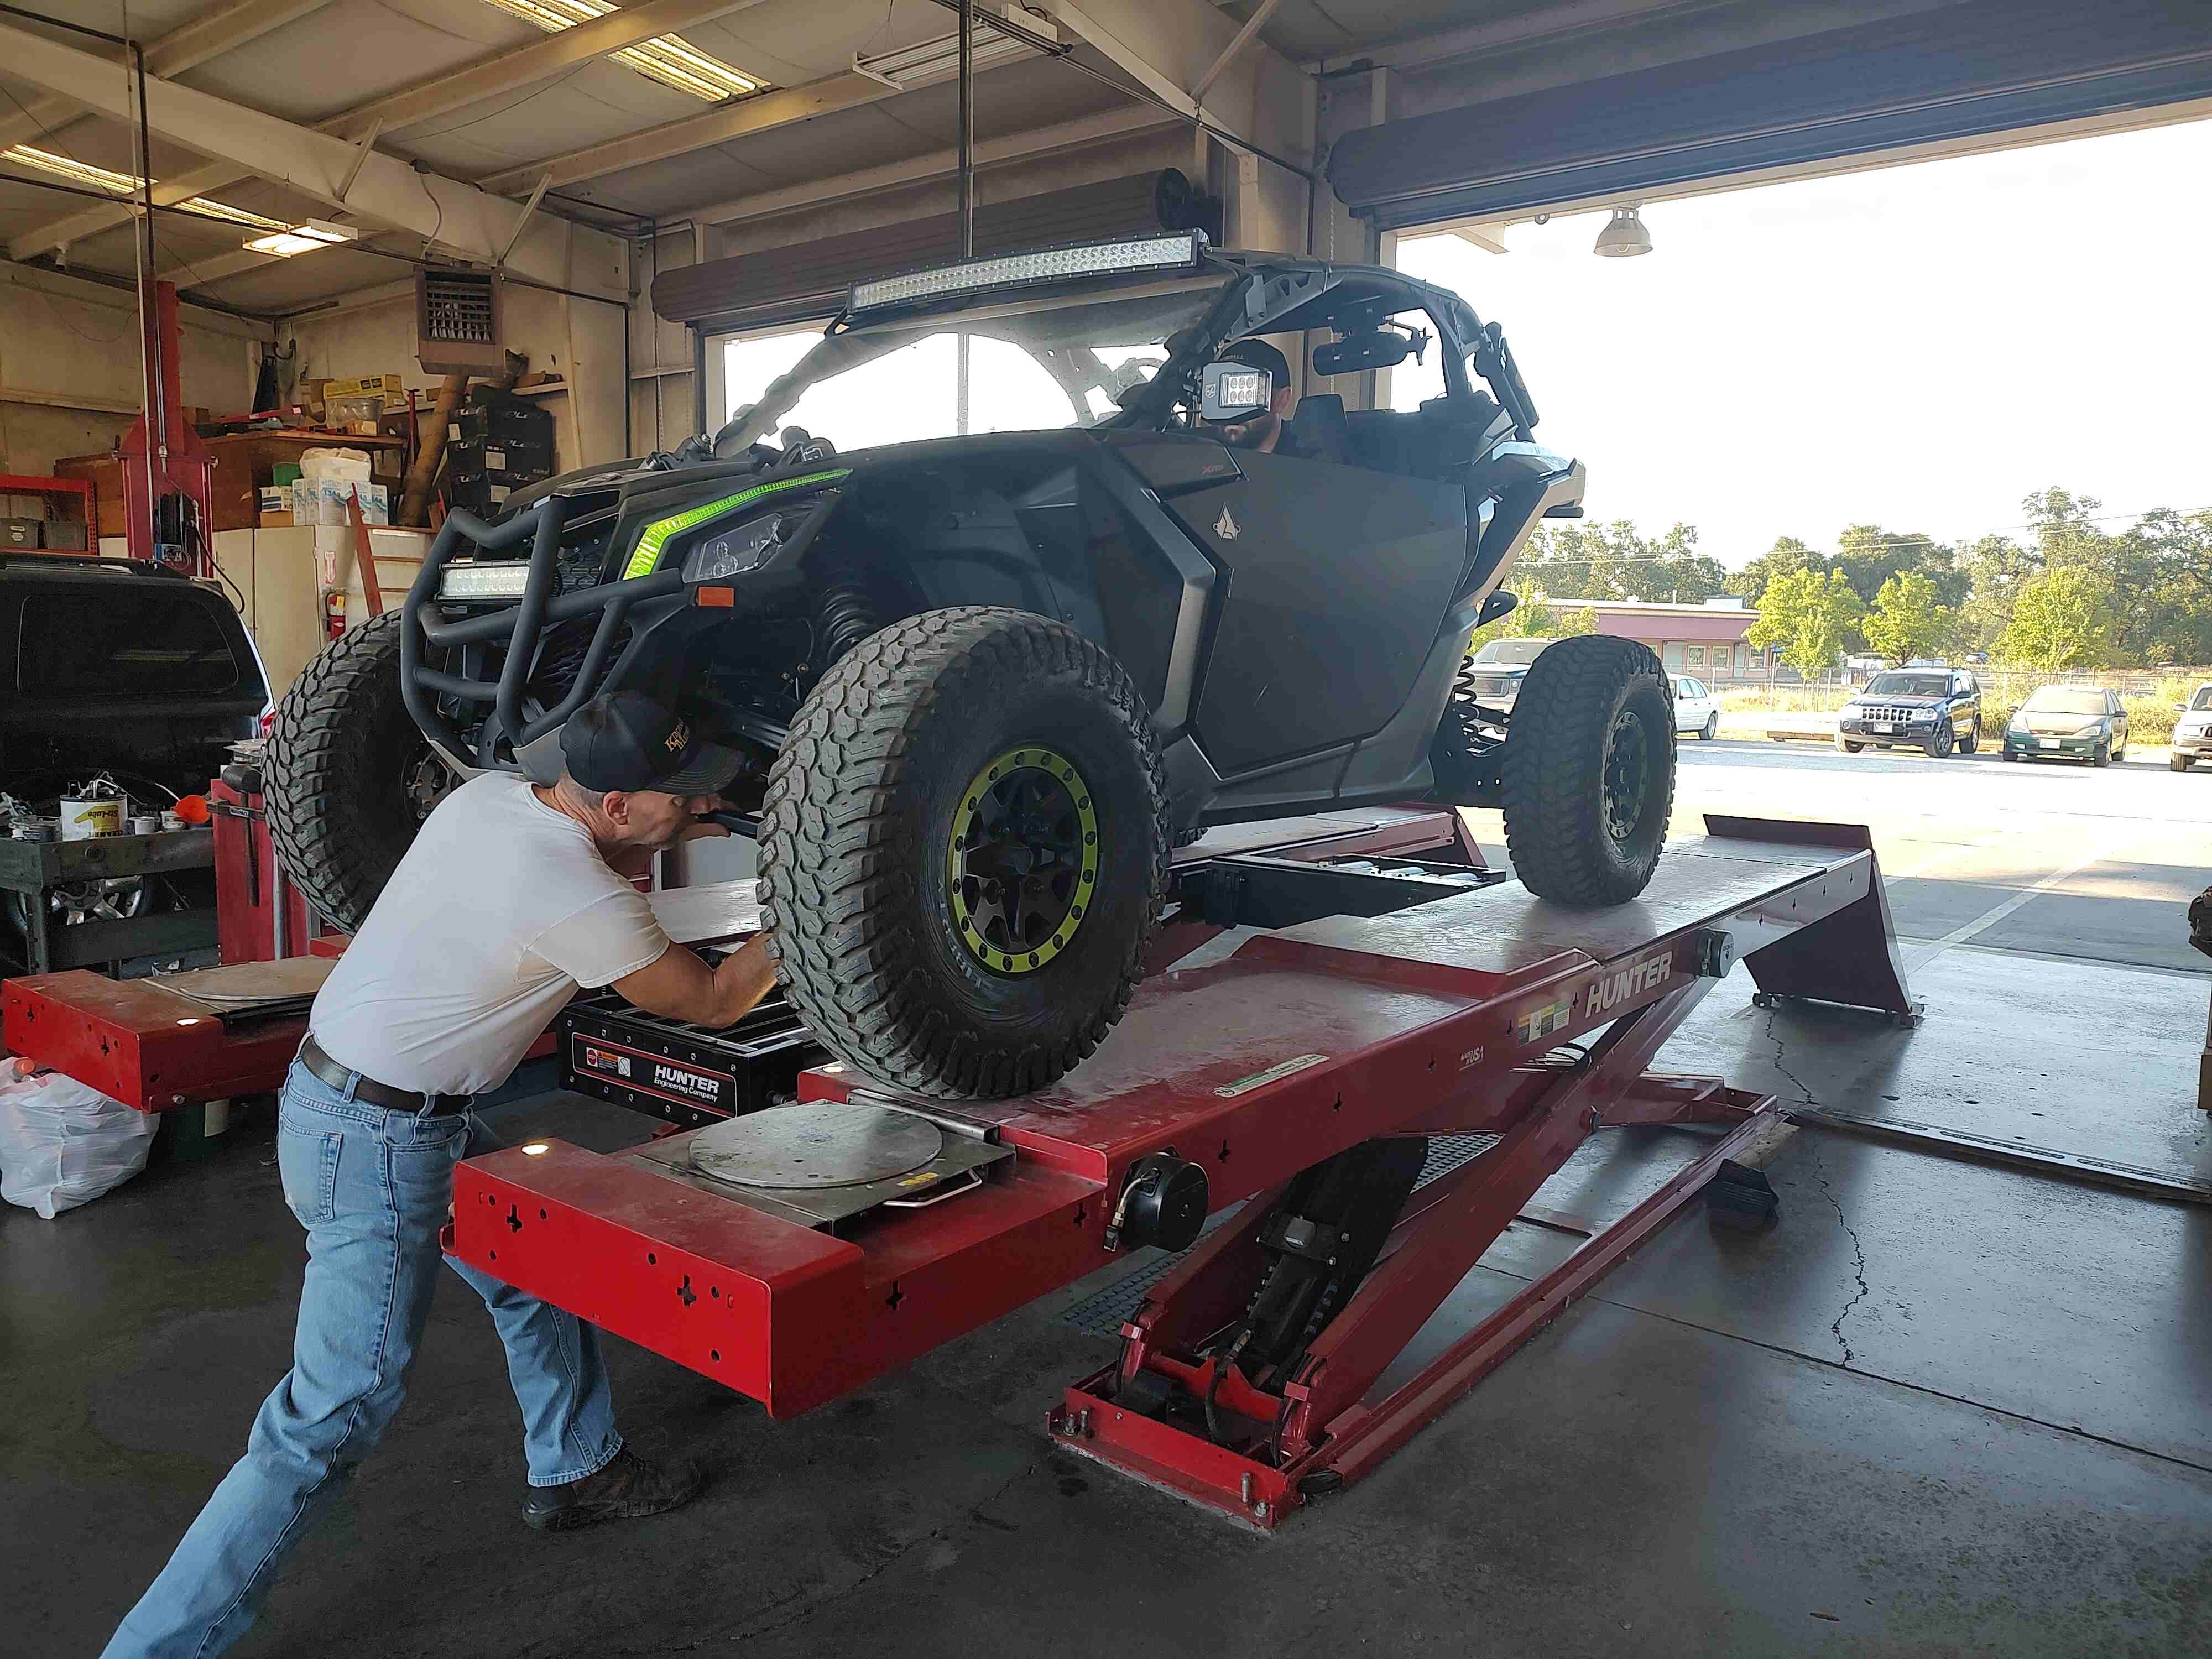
1304,1071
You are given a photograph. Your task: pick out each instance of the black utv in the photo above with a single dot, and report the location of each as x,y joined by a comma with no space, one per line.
988,680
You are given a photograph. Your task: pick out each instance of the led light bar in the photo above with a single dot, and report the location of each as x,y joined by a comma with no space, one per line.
1179,251
485,581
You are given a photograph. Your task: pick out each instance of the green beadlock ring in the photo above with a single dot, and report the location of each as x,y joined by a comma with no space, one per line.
1033,758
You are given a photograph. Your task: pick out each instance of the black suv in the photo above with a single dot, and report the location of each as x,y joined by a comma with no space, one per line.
986,681
1936,710
111,665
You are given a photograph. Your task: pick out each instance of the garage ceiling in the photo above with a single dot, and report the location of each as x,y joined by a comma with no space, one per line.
474,93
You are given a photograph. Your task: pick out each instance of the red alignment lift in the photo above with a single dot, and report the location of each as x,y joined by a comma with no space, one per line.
1301,1070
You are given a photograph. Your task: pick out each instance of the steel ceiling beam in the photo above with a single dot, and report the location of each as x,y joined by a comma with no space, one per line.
457,216
719,125
425,101
221,28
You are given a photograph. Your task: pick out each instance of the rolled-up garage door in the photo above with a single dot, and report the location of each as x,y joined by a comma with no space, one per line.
1955,71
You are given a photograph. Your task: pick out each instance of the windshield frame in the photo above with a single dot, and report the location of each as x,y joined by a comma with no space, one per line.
846,346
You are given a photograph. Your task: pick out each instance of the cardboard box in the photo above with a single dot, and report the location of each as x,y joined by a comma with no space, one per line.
21,532
274,520
369,385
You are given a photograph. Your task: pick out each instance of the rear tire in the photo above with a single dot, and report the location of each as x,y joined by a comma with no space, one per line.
1712,728
349,775
1587,773
894,873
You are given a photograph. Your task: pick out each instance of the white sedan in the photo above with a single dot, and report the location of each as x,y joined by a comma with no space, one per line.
1696,708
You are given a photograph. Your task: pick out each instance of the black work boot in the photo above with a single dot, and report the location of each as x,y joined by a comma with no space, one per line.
627,1488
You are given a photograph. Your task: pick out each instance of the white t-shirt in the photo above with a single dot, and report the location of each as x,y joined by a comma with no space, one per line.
499,911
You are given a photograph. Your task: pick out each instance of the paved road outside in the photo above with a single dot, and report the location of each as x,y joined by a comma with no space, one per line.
2059,860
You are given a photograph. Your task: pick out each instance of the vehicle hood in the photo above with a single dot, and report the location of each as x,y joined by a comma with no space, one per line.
2040,724
1883,700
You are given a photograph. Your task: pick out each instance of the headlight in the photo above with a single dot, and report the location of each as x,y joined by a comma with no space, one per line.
733,552
2094,728
2017,723
465,580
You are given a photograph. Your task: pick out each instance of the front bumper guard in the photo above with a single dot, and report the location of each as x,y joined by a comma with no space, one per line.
519,627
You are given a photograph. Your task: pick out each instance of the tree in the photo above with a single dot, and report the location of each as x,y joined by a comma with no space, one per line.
1806,614
1788,555
1533,618
1906,621
2058,622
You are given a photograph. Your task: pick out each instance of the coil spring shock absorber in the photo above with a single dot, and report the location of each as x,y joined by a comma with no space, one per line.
843,617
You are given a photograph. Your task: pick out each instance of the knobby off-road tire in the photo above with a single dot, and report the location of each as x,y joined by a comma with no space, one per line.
921,729
1588,776
349,775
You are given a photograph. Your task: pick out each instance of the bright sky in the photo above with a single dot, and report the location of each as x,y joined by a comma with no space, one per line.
1917,347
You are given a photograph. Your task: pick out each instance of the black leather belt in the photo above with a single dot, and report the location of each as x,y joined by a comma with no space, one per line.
378,1094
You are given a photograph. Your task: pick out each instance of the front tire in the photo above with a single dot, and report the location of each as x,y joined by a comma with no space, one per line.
2102,755
1846,746
1588,774
964,848
1939,741
2178,763
1972,740
349,775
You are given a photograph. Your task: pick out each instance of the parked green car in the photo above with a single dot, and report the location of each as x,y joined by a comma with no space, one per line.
2069,722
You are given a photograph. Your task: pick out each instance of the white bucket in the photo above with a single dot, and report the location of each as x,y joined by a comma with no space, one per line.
83,820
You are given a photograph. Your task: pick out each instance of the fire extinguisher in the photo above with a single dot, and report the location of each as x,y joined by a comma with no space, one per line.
334,607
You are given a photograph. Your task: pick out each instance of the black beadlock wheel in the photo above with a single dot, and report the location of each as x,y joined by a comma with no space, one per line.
1588,774
349,776
964,848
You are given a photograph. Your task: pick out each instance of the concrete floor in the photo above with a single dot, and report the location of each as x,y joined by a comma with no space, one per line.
1940,1409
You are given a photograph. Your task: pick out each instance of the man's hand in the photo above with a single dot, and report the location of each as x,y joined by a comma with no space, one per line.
682,986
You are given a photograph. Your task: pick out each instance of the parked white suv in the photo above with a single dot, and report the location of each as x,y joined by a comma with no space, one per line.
2192,732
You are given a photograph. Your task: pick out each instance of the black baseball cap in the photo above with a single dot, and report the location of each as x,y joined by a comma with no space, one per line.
1254,352
625,740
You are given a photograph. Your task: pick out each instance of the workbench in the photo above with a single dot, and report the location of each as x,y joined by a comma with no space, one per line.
31,871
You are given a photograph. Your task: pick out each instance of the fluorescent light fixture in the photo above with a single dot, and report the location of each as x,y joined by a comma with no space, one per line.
76,171
122,185
485,581
303,238
928,61
668,58
229,215
1179,251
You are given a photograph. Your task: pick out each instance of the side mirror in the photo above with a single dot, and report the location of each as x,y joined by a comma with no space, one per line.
1356,353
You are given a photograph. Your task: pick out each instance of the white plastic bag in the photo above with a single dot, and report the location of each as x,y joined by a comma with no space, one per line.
64,1143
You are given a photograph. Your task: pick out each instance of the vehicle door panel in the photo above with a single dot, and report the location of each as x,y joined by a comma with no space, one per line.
1336,579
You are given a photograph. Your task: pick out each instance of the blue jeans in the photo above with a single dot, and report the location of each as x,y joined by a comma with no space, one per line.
373,1188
